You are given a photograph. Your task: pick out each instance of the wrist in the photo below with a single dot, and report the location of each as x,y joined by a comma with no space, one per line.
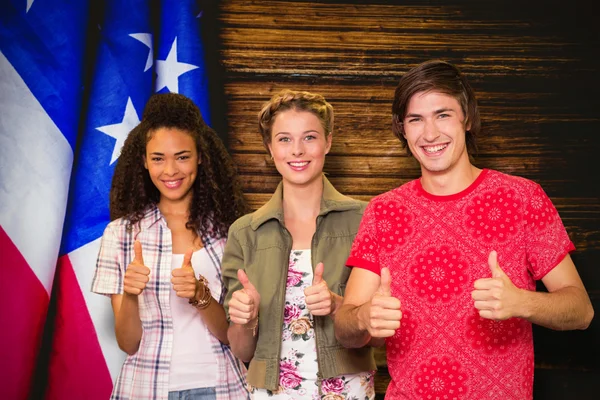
252,325
130,296
362,321
336,303
524,304
202,296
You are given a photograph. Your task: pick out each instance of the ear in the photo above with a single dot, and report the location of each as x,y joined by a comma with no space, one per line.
329,140
199,159
145,162
467,123
270,150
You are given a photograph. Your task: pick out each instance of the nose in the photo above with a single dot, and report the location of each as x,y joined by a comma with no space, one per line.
170,168
298,148
431,132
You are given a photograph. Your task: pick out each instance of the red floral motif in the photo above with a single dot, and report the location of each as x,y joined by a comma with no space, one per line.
393,224
332,385
441,378
399,345
494,215
365,244
293,277
540,210
438,273
527,373
494,337
289,379
288,375
291,312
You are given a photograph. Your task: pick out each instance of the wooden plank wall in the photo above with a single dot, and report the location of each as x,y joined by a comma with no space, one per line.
533,64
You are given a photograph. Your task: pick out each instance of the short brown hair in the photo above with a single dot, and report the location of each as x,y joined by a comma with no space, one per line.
294,100
436,76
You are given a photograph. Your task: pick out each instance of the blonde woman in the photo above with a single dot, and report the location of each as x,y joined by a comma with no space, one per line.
284,266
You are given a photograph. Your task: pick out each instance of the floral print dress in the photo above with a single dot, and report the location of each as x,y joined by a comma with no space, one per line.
298,365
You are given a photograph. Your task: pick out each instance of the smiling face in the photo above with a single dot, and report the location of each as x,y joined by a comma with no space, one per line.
172,162
298,146
434,129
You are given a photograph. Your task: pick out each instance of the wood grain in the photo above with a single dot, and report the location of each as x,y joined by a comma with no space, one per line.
534,66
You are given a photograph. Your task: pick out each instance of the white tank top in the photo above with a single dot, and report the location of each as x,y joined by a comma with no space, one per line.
193,364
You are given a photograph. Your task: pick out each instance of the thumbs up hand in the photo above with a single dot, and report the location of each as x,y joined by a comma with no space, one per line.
319,299
244,303
497,297
384,311
184,280
137,274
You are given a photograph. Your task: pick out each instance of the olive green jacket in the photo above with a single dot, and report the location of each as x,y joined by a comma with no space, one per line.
260,244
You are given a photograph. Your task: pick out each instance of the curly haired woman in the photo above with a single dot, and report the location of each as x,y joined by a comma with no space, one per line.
284,266
174,195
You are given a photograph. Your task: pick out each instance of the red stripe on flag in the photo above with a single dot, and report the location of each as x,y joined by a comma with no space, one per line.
23,307
77,366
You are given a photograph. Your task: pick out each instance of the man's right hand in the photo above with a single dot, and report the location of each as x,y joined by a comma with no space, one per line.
244,303
382,315
137,274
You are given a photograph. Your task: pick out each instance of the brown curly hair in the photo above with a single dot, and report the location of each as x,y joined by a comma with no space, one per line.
294,100
217,198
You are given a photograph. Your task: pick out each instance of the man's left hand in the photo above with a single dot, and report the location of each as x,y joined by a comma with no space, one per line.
497,297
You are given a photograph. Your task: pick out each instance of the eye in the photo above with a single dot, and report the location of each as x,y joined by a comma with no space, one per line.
283,139
443,115
156,159
183,157
310,137
414,120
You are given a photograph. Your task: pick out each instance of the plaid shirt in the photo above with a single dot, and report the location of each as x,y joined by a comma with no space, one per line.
145,375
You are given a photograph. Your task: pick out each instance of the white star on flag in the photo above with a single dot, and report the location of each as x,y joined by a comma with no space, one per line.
121,130
29,4
145,38
169,70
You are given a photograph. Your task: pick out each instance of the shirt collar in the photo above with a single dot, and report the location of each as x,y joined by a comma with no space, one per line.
332,200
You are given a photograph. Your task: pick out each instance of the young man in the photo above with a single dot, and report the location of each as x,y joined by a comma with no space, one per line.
444,266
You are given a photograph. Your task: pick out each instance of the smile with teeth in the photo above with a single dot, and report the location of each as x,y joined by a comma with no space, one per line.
298,164
173,184
435,149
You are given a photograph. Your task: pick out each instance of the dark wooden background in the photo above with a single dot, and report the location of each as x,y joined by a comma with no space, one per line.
534,65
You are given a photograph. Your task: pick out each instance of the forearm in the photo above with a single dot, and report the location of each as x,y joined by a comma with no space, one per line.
242,340
216,322
349,330
564,309
128,325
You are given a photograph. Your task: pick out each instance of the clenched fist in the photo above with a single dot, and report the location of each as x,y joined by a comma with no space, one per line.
137,274
184,281
244,303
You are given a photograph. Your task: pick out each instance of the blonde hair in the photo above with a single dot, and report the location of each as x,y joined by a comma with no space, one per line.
294,100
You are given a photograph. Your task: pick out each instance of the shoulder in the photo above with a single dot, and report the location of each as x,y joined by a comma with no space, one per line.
399,194
350,205
497,178
118,226
241,224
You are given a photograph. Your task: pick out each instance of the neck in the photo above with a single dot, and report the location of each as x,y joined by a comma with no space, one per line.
302,202
180,208
451,181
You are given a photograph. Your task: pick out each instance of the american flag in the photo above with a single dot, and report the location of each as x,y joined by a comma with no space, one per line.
56,165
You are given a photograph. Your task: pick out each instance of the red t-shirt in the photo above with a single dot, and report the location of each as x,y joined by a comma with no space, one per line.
436,247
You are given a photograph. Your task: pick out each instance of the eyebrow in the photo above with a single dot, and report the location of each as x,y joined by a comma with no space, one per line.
156,153
436,112
305,132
